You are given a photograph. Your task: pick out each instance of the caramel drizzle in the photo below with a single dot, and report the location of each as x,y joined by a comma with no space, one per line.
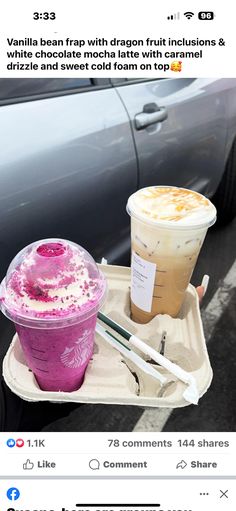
183,200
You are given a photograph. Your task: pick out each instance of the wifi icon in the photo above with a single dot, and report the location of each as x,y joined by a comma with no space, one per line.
189,14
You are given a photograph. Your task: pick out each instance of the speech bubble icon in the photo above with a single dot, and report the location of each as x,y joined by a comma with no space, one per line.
94,464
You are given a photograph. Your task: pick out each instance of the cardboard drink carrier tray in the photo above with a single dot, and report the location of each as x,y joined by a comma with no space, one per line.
112,379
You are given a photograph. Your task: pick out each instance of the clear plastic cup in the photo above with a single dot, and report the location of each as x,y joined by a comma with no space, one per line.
52,292
168,227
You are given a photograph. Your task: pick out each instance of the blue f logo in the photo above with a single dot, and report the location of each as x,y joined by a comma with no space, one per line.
13,494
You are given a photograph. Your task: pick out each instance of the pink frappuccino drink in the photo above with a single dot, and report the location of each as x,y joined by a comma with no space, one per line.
52,292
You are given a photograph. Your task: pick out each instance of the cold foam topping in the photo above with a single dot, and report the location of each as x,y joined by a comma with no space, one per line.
171,204
52,279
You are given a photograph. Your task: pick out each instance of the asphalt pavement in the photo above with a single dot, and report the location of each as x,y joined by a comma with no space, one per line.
217,408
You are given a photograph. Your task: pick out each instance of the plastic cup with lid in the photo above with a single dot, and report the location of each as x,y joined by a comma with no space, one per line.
52,292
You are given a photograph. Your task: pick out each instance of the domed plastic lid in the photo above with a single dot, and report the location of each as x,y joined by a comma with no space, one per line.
50,284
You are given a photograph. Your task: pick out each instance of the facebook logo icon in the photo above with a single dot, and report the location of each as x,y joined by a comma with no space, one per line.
13,494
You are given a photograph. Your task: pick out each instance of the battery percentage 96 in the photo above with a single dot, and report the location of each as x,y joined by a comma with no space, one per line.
206,15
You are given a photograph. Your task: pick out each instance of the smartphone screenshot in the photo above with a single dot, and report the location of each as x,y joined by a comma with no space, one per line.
117,256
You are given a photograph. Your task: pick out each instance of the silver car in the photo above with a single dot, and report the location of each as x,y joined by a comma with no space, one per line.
72,151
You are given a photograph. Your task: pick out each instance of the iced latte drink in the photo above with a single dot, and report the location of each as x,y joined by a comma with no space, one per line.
168,227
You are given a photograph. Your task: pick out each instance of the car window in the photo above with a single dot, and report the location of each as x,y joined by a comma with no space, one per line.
126,81
11,88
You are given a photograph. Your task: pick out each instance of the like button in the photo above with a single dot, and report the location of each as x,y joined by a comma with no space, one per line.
28,465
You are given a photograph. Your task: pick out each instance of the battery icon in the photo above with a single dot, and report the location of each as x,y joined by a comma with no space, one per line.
206,15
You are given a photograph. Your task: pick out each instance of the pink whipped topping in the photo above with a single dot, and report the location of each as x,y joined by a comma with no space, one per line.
53,279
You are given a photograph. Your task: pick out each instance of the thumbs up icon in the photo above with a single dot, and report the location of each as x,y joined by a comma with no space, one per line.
28,465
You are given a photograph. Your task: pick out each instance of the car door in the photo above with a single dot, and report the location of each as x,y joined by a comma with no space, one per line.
67,165
180,130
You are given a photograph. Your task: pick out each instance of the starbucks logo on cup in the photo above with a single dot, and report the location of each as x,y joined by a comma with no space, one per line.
78,354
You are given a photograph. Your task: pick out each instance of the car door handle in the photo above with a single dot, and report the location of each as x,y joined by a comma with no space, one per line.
151,114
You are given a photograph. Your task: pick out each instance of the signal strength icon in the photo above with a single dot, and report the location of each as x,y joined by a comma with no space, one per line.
189,14
175,16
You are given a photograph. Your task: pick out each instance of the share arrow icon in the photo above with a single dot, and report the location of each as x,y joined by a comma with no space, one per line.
182,464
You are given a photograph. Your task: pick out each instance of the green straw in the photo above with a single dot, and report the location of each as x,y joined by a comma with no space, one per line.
119,329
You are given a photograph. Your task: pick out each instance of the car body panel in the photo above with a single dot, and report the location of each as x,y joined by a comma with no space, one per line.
228,89
188,148
67,166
